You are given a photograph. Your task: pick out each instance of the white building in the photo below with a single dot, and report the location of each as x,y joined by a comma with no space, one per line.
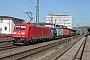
58,19
7,24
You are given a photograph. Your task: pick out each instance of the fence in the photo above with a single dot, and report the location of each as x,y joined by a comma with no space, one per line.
5,37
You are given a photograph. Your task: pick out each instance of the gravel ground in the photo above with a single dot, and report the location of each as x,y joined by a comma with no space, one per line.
50,53
23,48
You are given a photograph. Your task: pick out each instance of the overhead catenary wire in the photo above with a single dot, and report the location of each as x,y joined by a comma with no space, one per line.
39,6
45,10
16,7
78,10
12,7
80,14
50,5
25,6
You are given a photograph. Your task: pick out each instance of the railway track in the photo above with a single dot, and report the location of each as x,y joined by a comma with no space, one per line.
7,47
79,53
30,50
4,45
24,54
73,52
86,50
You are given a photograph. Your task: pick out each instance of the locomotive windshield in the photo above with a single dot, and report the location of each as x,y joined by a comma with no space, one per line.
20,27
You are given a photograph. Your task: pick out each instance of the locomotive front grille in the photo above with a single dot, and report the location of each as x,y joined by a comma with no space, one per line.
18,40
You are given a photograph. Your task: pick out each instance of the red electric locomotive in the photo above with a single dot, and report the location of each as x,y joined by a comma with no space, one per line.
26,33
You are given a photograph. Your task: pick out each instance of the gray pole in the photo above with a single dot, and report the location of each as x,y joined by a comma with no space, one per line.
37,12
64,22
51,19
55,23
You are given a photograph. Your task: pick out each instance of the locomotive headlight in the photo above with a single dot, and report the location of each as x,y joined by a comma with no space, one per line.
14,32
13,38
22,36
22,33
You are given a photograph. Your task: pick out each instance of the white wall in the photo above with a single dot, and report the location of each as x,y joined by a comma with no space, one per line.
60,20
12,25
4,24
9,24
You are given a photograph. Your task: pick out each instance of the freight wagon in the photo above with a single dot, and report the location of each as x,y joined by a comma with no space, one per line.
75,32
64,32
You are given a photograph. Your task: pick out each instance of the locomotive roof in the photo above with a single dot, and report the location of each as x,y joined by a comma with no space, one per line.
37,25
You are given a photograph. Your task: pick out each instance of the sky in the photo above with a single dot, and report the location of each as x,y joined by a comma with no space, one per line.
78,9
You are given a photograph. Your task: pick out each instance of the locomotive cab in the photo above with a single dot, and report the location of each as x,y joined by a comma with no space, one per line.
19,34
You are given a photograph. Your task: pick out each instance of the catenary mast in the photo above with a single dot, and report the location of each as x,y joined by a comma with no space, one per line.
37,12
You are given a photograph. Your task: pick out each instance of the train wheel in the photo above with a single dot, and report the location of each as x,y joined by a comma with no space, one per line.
25,43
32,41
13,43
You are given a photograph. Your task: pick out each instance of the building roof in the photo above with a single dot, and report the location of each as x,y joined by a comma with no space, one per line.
59,15
13,18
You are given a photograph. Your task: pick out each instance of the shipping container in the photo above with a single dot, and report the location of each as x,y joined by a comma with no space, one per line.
64,31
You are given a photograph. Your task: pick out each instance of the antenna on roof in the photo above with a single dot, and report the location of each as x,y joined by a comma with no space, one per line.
30,15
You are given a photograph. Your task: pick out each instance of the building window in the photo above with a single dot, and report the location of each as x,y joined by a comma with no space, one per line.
14,21
5,28
48,20
59,20
60,17
1,20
